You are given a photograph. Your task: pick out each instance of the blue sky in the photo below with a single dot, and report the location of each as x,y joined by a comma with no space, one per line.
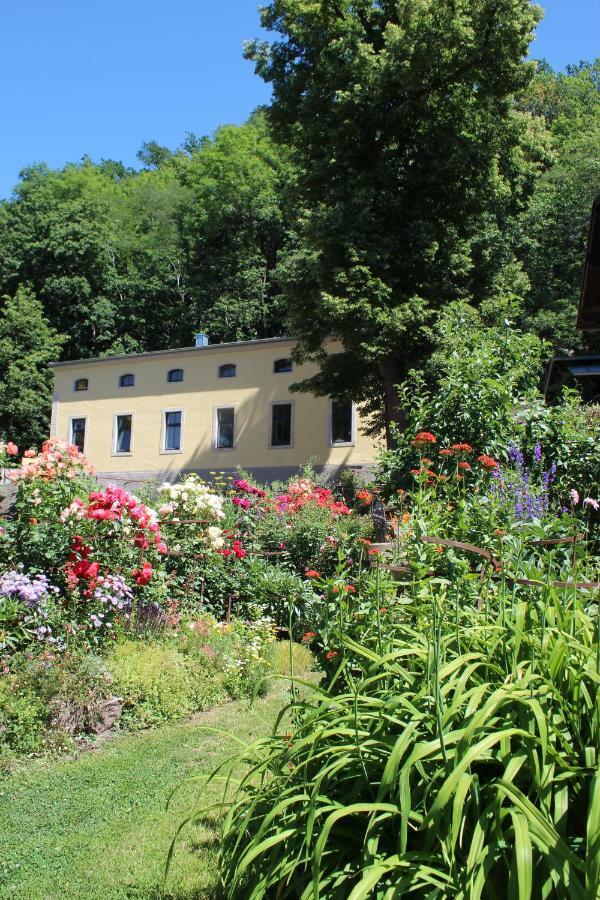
100,77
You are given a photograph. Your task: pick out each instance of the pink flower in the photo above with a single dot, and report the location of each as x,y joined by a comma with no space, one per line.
29,454
12,449
589,501
574,496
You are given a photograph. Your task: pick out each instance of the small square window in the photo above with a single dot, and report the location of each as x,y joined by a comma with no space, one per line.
81,384
225,428
173,430
123,434
281,425
127,380
77,435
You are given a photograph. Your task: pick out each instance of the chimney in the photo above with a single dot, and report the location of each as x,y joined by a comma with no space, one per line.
201,339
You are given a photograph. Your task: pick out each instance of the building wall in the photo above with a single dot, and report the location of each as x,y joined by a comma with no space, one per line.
251,392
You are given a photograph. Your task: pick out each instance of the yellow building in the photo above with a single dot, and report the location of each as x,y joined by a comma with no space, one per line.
148,416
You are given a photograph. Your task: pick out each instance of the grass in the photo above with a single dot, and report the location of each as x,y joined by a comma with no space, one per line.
96,826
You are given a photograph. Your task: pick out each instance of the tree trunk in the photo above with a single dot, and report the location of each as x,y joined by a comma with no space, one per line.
392,373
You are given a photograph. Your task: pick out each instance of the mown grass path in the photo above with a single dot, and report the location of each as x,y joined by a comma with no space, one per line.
96,826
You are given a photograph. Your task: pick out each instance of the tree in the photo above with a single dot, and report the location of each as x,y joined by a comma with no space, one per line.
413,156
27,344
233,229
551,234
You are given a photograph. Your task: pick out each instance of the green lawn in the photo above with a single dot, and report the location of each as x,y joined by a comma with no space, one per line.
96,826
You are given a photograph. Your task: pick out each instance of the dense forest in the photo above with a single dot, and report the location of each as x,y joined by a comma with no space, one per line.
97,258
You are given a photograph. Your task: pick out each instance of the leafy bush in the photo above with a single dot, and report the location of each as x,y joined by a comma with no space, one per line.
23,717
52,693
160,684
453,753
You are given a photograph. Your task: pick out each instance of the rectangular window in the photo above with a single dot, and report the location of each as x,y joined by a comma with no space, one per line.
173,430
78,433
281,425
123,434
225,428
342,422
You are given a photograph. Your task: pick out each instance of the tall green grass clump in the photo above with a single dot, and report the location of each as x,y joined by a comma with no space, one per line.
453,753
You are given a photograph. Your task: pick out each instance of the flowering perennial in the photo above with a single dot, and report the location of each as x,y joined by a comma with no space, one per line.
56,459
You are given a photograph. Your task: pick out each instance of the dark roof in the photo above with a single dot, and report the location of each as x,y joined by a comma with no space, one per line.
588,317
231,345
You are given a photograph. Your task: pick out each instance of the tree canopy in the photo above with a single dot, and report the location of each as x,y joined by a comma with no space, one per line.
411,157
412,153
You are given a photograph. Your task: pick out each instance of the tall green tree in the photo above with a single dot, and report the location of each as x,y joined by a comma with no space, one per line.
27,344
551,234
412,155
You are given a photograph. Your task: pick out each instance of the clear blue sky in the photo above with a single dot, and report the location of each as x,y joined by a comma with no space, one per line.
100,77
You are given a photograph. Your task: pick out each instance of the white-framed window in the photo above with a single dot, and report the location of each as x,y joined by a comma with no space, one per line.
281,431
341,423
228,370
282,365
123,434
172,431
81,384
78,432
174,375
224,428
127,380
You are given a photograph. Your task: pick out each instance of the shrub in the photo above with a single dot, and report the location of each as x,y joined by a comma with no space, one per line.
159,684
45,696
454,751
302,660
23,717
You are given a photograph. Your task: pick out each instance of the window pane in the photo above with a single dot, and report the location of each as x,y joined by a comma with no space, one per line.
173,431
225,427
227,371
282,365
175,375
78,433
127,380
281,425
341,421
123,434
81,384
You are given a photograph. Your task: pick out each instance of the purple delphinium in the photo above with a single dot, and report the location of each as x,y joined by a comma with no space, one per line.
515,487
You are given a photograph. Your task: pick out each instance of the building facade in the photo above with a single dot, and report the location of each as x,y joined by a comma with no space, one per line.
212,407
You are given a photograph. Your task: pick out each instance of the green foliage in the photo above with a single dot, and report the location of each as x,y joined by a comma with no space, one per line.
42,696
27,344
288,657
23,718
455,751
159,684
140,260
407,215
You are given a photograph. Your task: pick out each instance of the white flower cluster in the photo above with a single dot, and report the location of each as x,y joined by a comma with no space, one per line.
193,499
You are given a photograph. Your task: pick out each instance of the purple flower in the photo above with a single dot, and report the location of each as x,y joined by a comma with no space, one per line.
537,452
